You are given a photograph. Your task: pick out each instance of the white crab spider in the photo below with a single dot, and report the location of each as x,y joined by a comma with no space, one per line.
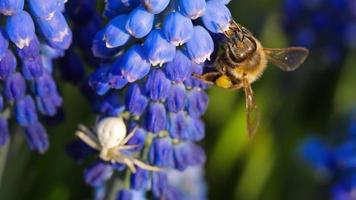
110,139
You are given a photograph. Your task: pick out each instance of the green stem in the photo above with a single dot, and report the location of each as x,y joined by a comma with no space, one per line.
3,158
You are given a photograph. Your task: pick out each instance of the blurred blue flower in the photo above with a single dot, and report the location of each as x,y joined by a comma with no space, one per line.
323,25
146,55
29,42
336,163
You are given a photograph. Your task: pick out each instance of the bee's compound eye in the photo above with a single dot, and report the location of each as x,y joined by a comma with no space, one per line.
111,131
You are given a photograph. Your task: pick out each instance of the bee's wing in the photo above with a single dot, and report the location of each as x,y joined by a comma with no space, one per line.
252,111
287,59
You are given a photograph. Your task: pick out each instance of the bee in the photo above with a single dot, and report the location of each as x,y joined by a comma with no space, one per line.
243,61
109,138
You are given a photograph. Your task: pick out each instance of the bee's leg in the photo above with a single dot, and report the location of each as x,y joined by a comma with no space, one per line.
209,77
236,83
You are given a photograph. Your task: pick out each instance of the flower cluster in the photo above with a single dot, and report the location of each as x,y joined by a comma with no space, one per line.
30,88
335,162
148,52
326,26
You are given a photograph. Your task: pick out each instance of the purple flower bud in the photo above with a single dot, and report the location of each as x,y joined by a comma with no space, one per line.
97,173
139,22
193,9
49,105
98,80
135,102
4,131
176,99
18,33
45,86
140,180
196,129
15,87
156,118
32,68
56,31
133,65
11,7
217,17
138,139
179,69
36,137
1,103
155,6
197,102
201,46
161,152
115,34
111,105
43,8
177,28
25,111
99,48
157,86
159,183
157,49
188,154
31,51
4,44
130,195
177,126
7,65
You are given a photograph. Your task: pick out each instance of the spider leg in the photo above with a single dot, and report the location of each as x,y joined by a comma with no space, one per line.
88,132
130,164
145,166
129,136
88,140
127,147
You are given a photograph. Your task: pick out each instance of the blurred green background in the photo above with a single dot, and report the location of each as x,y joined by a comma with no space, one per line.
293,105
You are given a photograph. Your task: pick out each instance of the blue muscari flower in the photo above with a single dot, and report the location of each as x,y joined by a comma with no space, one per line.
43,8
337,163
115,34
19,34
155,6
177,28
139,22
11,7
192,9
157,49
147,53
35,34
